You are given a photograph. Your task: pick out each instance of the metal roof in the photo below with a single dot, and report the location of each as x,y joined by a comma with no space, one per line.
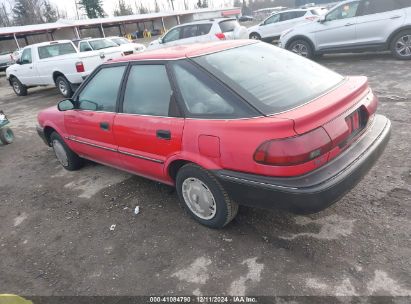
64,23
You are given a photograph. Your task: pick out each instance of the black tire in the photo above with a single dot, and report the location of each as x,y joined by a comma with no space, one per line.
301,47
225,208
64,86
74,162
18,88
255,36
395,44
6,135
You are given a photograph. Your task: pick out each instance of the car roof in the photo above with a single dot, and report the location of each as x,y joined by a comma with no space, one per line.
206,21
48,43
185,51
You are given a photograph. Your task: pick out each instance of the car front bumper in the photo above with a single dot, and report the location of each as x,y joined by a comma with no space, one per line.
317,190
40,132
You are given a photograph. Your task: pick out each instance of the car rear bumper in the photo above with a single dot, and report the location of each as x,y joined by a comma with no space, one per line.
317,190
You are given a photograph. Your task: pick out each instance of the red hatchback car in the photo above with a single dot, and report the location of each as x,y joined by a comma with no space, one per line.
226,123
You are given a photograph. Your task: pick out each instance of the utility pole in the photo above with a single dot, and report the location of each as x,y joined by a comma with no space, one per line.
76,3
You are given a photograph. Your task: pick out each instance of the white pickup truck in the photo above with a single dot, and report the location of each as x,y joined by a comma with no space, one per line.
56,63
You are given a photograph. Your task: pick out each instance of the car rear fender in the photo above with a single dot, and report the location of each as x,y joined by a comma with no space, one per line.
403,28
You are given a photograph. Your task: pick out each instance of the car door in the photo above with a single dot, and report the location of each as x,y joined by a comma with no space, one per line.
268,27
90,126
377,20
338,30
26,72
148,128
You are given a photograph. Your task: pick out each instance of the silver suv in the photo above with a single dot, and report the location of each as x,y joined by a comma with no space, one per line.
355,26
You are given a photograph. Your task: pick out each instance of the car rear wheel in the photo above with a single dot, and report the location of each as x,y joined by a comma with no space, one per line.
64,86
255,36
6,136
67,158
302,48
18,88
204,197
401,45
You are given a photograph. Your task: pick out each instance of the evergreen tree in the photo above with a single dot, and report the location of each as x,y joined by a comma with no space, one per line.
49,12
156,6
93,8
27,12
123,9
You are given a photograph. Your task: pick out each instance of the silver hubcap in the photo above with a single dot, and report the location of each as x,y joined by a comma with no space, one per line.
62,87
60,152
300,49
403,46
16,87
199,198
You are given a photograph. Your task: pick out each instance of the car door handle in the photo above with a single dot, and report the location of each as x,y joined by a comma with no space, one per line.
349,24
104,126
395,17
164,134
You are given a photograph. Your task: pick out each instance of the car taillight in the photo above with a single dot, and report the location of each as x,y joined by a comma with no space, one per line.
294,150
80,67
220,36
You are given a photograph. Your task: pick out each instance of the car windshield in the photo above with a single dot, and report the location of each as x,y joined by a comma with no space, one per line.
271,79
120,41
101,44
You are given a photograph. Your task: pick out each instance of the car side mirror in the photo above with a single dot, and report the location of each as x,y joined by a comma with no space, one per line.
322,19
160,40
18,61
65,105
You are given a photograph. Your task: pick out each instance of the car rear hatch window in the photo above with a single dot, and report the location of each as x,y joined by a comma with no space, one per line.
270,79
56,49
228,25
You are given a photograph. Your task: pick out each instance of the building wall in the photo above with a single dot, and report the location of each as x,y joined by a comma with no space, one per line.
64,34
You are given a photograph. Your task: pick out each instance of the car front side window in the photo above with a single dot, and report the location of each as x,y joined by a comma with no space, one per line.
26,56
348,10
172,35
272,19
101,92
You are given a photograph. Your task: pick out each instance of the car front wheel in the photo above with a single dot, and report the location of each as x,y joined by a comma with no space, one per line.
18,88
401,45
302,48
255,36
66,157
204,198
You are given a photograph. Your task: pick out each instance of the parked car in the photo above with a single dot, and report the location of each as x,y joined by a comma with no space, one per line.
16,54
98,44
6,60
287,134
355,26
201,31
245,18
56,63
272,27
127,46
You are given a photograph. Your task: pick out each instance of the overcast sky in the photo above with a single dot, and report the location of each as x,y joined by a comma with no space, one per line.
109,5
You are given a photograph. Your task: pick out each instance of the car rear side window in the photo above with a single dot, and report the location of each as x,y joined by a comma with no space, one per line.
204,97
55,50
26,56
369,7
101,92
204,29
228,25
148,91
271,79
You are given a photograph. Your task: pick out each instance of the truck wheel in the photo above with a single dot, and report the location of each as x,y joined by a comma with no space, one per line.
67,158
204,197
64,86
18,88
401,45
6,135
